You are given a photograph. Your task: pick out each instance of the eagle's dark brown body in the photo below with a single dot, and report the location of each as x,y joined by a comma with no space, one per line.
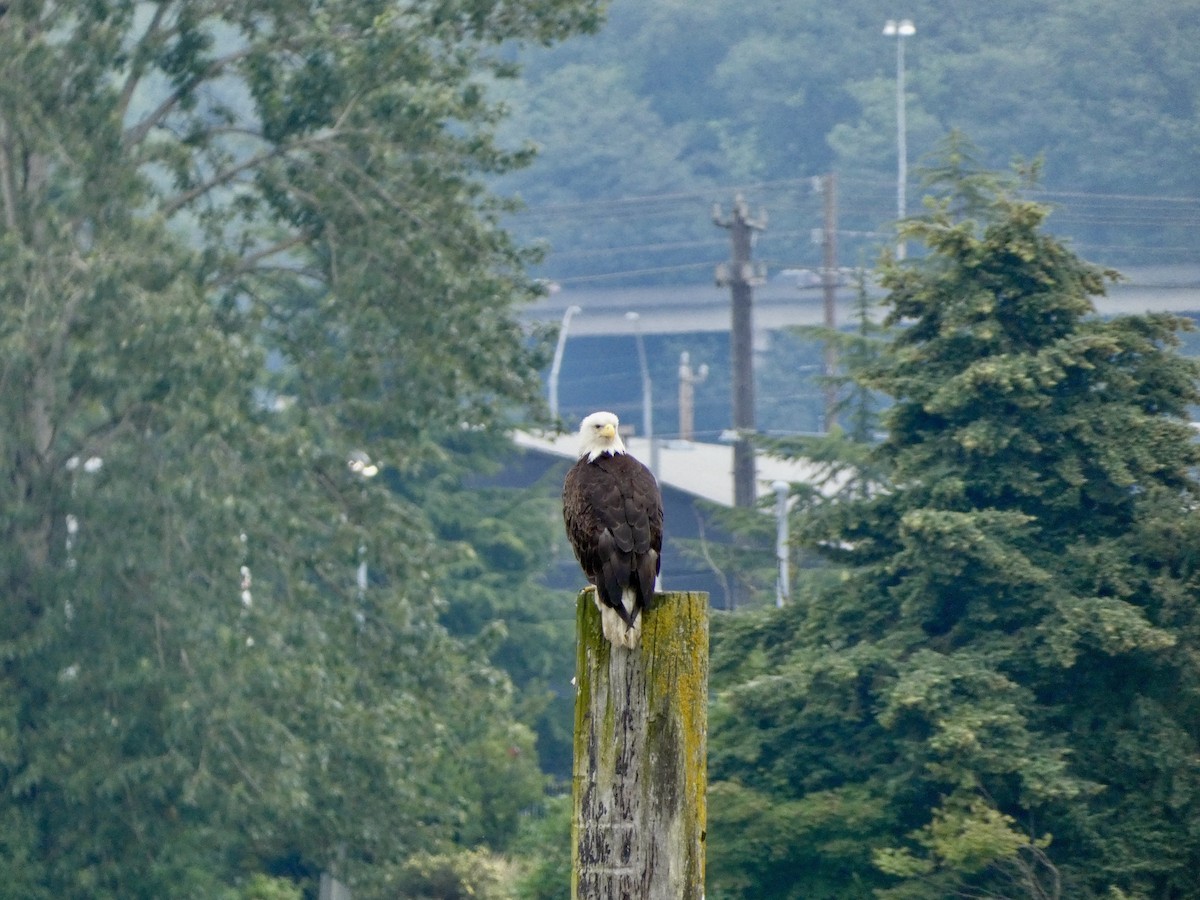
613,513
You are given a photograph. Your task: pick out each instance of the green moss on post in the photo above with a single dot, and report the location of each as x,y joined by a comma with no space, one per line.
641,721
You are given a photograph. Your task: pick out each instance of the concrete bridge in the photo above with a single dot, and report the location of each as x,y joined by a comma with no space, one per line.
796,298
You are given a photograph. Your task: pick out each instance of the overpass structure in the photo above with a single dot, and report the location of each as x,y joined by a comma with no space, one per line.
699,469
693,472
788,299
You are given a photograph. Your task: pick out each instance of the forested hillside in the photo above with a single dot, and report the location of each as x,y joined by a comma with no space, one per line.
677,103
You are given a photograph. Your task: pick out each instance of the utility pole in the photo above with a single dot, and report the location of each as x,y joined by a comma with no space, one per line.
741,275
688,379
829,279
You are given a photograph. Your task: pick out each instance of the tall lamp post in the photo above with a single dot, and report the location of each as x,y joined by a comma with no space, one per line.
782,588
900,30
360,464
556,365
647,392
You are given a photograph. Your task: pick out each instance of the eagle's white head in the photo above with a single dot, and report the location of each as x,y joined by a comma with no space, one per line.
598,435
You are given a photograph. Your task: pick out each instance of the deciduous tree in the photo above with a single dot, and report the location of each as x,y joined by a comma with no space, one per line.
242,243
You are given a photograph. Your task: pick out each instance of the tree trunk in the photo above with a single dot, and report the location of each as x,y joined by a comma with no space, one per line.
640,775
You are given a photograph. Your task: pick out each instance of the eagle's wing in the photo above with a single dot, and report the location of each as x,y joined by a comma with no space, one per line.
612,509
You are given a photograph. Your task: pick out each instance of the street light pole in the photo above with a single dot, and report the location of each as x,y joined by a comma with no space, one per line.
556,365
782,589
647,391
900,30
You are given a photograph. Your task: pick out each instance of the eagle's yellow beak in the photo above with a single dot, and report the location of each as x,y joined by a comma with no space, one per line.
608,431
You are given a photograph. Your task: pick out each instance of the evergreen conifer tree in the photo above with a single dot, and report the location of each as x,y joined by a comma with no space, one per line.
992,689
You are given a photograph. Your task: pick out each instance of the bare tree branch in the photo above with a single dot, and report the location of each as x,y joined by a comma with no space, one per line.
250,262
7,184
137,133
136,70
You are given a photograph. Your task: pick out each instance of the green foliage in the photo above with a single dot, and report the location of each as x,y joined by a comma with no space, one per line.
494,597
239,244
462,875
747,566
260,887
545,846
811,847
997,661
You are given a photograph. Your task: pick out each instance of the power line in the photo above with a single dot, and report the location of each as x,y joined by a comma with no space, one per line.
862,207
607,276
638,248
1163,198
620,204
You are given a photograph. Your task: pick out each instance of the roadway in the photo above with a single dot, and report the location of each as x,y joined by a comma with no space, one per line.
779,303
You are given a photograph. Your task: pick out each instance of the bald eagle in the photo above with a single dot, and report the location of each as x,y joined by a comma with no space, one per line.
613,512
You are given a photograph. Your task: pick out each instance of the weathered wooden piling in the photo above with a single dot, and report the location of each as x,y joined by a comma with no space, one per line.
640,776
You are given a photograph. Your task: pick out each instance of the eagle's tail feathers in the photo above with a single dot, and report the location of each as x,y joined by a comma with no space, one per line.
616,631
629,600
613,623
632,633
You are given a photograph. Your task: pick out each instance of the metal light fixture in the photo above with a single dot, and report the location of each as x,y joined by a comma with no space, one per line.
900,30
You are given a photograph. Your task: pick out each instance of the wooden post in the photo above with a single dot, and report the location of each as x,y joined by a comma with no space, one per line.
641,720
